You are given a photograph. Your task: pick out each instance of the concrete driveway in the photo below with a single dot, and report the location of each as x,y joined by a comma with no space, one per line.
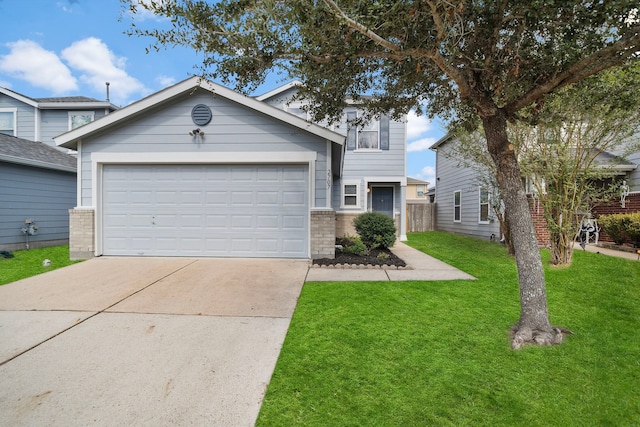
144,341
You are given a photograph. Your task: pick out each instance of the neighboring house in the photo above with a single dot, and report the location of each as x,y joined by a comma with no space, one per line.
200,170
464,202
41,119
373,175
37,189
417,190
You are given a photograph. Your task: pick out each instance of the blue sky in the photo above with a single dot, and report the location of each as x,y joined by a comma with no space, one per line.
72,47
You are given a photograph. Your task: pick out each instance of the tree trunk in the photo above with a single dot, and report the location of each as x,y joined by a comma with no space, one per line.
533,327
561,248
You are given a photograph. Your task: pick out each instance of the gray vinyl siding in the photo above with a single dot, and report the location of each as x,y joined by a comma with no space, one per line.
233,128
42,195
56,122
449,179
634,177
360,164
25,126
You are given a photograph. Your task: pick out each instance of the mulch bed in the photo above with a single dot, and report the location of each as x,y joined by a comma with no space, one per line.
373,258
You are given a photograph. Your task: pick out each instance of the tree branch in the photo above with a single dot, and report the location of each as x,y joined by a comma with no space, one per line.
587,67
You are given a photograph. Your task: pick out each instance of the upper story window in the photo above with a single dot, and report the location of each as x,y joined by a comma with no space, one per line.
484,206
370,136
420,190
8,121
79,118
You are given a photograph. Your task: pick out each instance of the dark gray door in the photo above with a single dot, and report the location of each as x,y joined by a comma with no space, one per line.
382,200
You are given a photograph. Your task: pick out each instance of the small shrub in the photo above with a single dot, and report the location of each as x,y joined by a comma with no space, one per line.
375,229
353,245
622,227
633,228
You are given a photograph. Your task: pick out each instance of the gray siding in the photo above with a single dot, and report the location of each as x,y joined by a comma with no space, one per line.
233,128
56,122
26,116
449,179
634,177
360,164
42,195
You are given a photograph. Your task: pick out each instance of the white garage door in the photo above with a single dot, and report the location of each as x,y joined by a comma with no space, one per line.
206,210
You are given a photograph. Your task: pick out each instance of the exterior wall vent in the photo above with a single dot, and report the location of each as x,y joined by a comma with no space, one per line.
201,115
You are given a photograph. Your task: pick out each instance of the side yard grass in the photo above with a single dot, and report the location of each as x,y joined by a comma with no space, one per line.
437,353
29,263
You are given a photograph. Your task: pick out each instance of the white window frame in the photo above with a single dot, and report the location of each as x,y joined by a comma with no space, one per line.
459,206
14,111
344,195
421,190
368,127
71,114
480,204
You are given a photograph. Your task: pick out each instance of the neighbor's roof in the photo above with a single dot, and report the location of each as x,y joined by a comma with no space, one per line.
61,102
33,153
416,181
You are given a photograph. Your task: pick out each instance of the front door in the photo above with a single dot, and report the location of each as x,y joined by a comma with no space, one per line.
382,200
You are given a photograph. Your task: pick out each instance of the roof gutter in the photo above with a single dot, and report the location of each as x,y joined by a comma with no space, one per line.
37,163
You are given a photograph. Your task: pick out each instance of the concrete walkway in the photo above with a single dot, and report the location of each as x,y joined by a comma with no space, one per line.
144,341
604,251
420,267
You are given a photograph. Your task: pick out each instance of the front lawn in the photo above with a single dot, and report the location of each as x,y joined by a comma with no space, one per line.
29,263
437,353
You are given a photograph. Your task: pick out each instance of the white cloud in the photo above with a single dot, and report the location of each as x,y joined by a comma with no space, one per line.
98,64
29,61
165,81
420,145
143,14
427,173
417,125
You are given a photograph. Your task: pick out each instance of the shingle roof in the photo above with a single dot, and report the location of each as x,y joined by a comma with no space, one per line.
24,151
68,99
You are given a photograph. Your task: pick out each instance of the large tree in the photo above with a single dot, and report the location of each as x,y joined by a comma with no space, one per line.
467,58
560,151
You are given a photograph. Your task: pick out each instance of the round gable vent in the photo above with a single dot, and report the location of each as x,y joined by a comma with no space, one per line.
201,115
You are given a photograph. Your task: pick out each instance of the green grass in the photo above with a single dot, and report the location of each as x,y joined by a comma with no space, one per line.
29,263
437,353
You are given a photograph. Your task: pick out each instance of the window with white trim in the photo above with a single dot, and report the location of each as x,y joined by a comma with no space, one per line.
79,118
484,206
8,121
351,194
457,206
420,190
369,136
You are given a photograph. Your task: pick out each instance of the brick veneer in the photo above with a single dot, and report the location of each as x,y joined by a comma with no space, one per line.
539,222
323,234
631,205
81,233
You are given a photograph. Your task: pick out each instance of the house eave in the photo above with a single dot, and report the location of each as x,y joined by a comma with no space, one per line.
76,105
36,163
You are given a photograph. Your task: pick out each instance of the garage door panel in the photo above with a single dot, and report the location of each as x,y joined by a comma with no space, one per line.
206,210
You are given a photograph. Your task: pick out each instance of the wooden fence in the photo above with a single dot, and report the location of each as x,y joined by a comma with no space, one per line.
420,216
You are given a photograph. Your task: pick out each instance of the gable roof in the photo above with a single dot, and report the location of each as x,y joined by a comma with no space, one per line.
416,181
33,153
71,138
61,102
279,90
